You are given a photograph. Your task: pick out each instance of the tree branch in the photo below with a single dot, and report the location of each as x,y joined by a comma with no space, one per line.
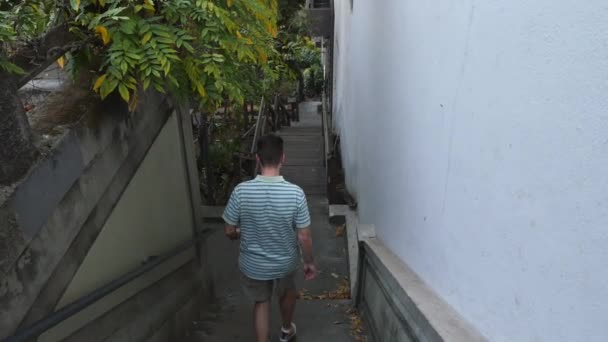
38,54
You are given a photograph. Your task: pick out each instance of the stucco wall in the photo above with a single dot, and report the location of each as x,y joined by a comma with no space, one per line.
475,137
151,218
118,187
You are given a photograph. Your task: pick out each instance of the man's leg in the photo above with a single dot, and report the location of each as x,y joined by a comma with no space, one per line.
260,292
288,306
261,316
287,300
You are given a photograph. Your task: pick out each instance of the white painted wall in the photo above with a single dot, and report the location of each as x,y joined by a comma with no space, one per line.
475,137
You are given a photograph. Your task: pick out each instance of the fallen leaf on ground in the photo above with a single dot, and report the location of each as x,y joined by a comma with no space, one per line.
356,325
342,292
340,230
303,294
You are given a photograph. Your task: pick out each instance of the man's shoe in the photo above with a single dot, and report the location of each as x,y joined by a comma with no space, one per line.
287,335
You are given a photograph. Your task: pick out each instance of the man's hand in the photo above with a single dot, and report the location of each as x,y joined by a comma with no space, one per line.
310,271
232,232
305,238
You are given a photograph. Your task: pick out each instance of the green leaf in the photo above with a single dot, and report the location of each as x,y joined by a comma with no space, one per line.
188,47
159,88
124,67
75,4
115,55
128,27
160,31
146,38
10,67
146,83
133,55
165,40
107,87
115,72
124,92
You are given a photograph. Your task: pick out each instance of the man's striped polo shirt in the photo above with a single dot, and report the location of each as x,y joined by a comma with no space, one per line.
268,210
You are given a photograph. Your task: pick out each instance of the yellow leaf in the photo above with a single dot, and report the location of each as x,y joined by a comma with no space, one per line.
102,3
200,89
146,38
149,6
229,3
238,34
263,57
99,82
103,33
61,61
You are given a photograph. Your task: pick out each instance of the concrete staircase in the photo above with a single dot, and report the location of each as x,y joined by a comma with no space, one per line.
230,318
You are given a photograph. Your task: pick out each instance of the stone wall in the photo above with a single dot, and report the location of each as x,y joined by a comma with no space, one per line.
66,220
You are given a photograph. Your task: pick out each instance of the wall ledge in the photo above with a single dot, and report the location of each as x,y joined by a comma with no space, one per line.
427,316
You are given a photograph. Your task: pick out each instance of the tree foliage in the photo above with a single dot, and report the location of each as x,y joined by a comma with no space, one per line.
206,50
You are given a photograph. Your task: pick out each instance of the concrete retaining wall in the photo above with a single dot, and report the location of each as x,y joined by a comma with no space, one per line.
398,306
162,311
117,188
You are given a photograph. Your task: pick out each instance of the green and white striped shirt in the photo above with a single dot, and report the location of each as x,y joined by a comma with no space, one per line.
268,210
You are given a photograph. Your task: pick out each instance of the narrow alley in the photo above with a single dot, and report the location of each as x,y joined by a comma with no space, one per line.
453,161
317,319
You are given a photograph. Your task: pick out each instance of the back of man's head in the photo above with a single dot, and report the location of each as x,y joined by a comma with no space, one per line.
270,150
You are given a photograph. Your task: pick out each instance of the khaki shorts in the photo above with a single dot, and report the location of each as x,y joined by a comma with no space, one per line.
261,290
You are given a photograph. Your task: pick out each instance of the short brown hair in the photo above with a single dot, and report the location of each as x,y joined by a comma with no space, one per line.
270,150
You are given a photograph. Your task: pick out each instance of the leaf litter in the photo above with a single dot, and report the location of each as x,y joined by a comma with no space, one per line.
342,292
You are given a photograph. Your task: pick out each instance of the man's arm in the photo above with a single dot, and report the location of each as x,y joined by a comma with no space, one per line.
232,216
231,232
305,238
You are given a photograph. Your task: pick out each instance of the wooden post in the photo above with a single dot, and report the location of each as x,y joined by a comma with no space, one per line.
246,116
275,116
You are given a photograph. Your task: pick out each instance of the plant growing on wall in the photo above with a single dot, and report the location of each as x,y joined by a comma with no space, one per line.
206,47
213,53
298,51
206,51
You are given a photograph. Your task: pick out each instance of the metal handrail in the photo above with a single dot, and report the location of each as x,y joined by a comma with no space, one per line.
263,119
256,134
43,325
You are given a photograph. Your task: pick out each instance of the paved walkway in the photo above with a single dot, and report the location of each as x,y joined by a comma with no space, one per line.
318,320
